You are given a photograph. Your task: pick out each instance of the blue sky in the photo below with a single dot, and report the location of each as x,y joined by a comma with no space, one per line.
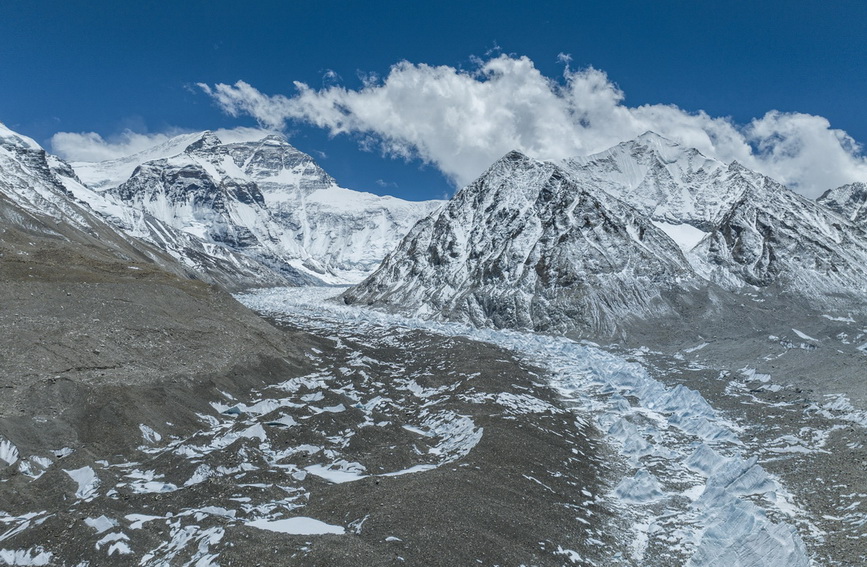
108,67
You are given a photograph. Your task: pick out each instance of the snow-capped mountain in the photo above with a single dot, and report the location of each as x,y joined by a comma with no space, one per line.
46,186
40,221
586,242
849,201
111,173
773,237
670,184
265,200
737,227
526,246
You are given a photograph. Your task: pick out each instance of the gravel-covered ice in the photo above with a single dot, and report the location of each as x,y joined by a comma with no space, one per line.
692,491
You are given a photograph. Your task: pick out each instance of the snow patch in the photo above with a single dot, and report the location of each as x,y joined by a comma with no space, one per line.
101,524
35,556
804,336
684,235
87,481
298,525
8,452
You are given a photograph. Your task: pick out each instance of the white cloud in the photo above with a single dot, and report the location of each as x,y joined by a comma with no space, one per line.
461,121
92,147
386,184
243,134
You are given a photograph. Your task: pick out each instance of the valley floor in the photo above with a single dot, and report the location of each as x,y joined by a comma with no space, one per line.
401,442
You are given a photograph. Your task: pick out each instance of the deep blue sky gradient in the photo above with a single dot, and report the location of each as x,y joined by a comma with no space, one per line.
105,66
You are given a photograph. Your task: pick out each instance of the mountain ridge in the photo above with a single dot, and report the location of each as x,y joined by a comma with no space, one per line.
272,203
525,246
735,231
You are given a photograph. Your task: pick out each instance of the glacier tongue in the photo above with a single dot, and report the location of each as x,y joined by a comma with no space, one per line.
694,497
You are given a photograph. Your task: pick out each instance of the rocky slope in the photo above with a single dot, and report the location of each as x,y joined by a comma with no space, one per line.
849,201
90,310
589,244
265,200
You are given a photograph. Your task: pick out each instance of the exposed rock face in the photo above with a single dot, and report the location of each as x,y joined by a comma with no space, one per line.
774,237
36,207
737,227
644,229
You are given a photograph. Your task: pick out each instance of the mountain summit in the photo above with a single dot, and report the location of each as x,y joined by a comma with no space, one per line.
849,201
265,200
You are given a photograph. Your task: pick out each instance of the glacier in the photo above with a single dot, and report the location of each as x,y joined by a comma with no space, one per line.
721,507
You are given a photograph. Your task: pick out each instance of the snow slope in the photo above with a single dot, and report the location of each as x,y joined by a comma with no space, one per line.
849,201
44,185
36,205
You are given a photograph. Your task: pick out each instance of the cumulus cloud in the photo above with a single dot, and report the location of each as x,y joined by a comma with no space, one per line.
92,147
463,120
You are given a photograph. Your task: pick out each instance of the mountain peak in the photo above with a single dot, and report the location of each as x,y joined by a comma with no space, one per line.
652,137
667,149
278,139
208,140
849,201
514,155
8,137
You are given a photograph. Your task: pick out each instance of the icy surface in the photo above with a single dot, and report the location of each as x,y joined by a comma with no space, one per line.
298,525
686,236
87,481
34,557
8,452
101,524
